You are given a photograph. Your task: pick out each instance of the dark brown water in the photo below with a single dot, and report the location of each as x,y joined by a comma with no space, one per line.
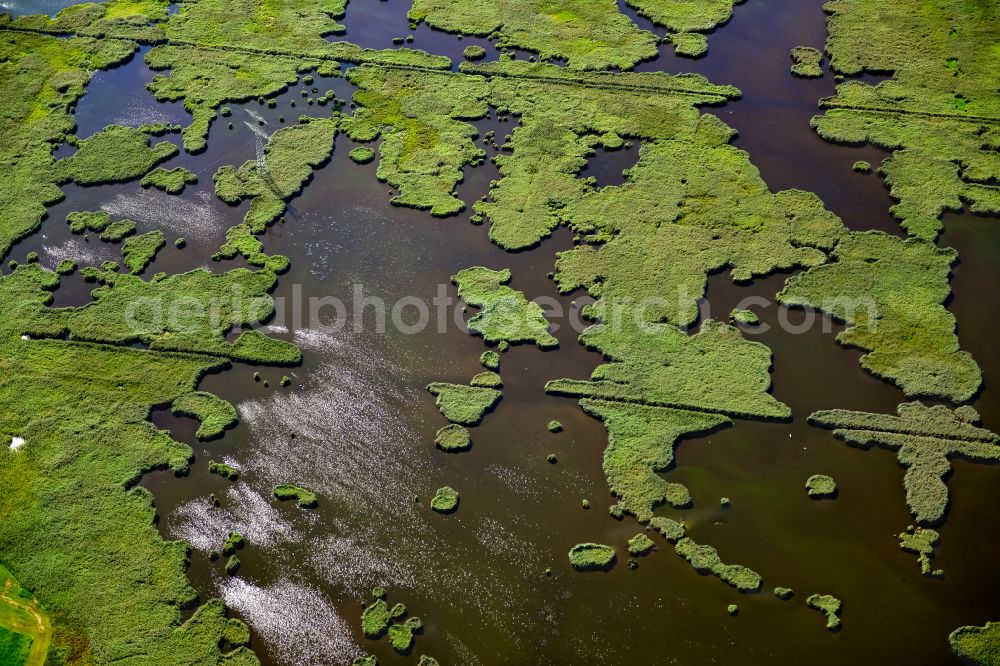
363,425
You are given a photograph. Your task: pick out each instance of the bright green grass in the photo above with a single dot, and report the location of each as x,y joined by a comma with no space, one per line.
184,312
463,404
171,181
425,137
821,485
977,645
591,557
206,79
715,370
445,500
591,35
214,413
829,605
806,62
921,541
641,443
291,156
41,77
14,648
453,437
113,155
685,15
891,293
925,438
306,499
640,544
505,313
139,251
939,112
82,410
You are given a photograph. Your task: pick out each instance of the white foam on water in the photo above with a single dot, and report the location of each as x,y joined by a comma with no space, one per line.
139,112
79,250
256,116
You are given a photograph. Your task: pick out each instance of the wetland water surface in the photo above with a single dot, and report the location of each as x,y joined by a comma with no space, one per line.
357,427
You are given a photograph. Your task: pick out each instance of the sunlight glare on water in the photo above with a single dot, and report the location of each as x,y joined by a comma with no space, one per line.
199,217
298,624
244,511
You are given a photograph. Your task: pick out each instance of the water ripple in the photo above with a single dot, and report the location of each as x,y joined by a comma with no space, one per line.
297,623
198,217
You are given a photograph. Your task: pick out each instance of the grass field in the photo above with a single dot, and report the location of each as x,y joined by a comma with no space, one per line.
25,631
